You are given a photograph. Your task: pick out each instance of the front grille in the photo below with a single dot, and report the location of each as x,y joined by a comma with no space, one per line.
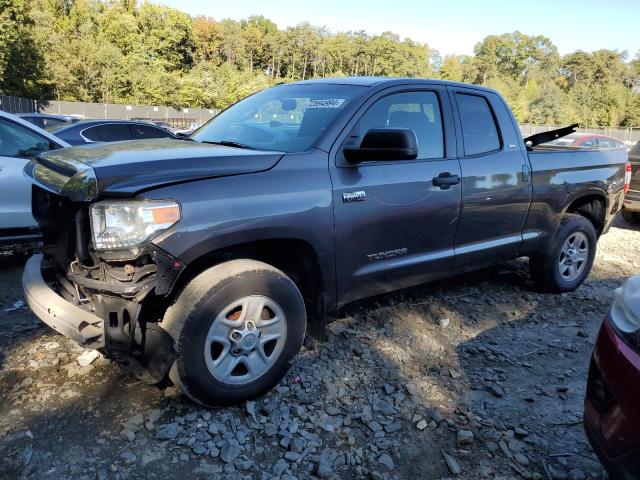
63,225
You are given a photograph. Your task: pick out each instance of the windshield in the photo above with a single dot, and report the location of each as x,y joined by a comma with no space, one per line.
287,118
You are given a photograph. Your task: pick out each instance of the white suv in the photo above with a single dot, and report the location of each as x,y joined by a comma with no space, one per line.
20,141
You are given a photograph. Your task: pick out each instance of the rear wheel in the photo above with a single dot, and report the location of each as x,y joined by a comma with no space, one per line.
631,217
236,328
569,256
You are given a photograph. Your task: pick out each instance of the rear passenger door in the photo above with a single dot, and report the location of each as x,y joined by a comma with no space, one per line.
496,187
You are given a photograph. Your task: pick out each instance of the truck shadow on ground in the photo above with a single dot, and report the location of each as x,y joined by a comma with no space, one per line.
620,222
491,354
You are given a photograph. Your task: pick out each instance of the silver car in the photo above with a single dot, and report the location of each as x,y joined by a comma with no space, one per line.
20,141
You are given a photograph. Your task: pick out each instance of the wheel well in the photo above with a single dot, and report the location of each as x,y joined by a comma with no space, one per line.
592,207
296,258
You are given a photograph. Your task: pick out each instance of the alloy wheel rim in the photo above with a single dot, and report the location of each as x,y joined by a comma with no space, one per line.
245,340
573,256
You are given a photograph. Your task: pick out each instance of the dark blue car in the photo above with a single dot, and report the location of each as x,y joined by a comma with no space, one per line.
92,131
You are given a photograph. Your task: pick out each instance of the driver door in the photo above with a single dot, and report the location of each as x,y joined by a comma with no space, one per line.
393,226
18,145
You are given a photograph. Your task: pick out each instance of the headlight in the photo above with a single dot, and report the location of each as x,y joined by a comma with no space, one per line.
125,224
624,316
625,311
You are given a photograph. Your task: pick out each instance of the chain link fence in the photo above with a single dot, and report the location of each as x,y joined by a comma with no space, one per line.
176,117
17,104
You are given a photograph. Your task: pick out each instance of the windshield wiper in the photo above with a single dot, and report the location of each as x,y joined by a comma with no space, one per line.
229,143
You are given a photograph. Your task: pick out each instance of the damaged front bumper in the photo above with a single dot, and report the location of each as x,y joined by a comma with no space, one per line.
107,316
70,320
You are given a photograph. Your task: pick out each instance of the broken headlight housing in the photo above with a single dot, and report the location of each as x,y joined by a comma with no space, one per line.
118,224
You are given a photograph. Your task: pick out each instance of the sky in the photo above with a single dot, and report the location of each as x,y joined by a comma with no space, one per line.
454,26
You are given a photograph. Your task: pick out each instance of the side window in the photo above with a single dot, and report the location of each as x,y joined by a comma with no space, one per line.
17,141
419,111
114,132
147,131
479,130
91,133
588,144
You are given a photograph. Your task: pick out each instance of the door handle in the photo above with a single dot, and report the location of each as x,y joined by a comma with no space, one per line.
445,180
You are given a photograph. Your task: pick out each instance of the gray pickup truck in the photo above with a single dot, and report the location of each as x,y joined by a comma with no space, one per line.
204,261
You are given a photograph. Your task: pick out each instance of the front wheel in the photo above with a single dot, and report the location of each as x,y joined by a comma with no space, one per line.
236,328
569,256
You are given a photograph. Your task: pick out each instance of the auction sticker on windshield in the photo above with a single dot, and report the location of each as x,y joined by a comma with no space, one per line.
325,103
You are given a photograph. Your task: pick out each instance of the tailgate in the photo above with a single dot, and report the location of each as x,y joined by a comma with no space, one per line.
634,159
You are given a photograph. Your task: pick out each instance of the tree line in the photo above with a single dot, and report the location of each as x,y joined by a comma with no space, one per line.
122,51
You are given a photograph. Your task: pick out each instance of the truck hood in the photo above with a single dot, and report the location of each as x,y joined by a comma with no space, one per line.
125,168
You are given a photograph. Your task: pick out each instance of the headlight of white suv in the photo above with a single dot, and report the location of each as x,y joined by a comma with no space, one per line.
129,223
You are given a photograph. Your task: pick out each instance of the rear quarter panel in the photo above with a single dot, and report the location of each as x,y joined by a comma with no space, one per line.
562,177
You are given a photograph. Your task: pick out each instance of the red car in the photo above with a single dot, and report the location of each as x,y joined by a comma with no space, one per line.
612,406
588,140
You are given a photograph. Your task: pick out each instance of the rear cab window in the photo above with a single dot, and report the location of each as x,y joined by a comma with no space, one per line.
480,132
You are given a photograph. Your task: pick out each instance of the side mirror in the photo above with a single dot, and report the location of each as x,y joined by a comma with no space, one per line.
384,144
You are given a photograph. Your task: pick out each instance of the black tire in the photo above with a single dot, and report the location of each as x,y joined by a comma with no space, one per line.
545,268
188,321
630,217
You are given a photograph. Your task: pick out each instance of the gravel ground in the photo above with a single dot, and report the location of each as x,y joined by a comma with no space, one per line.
475,377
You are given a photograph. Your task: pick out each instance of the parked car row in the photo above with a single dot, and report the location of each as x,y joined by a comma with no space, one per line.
587,140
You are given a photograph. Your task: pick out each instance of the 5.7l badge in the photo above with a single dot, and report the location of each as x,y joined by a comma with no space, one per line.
359,196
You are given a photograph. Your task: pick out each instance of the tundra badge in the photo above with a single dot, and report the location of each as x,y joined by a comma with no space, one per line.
359,196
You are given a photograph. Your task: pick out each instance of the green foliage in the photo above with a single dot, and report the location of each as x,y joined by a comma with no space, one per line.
20,60
137,52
